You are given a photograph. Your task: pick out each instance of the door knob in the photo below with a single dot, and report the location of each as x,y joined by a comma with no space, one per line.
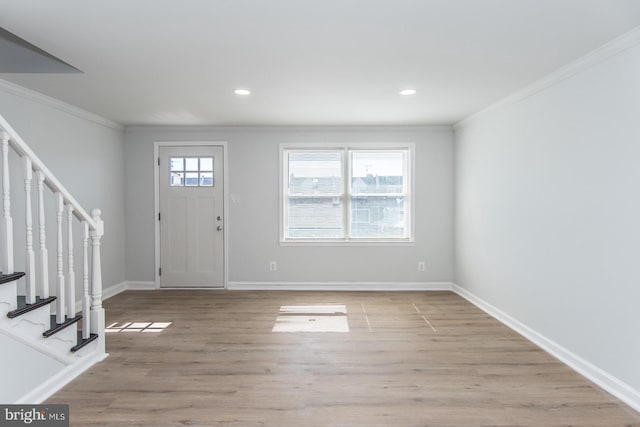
219,228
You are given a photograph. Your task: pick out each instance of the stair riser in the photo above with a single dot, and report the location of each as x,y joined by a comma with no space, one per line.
8,298
62,342
31,325
33,322
59,344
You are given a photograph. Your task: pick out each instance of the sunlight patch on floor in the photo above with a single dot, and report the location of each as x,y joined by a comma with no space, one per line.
312,318
145,327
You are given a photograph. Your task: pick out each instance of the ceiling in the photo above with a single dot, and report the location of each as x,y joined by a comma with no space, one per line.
306,62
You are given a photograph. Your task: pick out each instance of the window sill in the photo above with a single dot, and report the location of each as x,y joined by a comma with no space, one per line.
358,242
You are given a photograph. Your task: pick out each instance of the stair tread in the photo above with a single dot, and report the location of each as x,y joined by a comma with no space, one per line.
57,327
83,342
23,307
7,278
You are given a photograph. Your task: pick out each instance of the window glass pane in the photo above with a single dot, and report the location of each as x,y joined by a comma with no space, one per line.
377,217
191,179
177,179
206,179
315,217
177,164
377,172
191,164
315,172
206,164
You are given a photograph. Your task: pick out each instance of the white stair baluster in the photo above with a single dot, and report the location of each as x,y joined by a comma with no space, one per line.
43,273
71,274
30,256
97,312
36,258
60,290
7,221
86,299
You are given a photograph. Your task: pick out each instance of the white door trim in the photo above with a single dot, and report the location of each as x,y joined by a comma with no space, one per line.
156,201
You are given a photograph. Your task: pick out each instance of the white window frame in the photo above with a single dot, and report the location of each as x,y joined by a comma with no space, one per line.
345,148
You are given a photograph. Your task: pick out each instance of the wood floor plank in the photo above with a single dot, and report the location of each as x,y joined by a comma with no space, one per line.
408,359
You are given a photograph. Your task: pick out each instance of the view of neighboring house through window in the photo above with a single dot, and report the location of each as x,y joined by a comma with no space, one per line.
349,193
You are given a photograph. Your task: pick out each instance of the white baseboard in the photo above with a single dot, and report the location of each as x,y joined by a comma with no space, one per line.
608,382
107,293
113,290
118,288
59,380
140,286
340,286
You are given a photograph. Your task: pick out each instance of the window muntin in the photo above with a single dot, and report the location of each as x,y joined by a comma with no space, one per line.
346,194
191,172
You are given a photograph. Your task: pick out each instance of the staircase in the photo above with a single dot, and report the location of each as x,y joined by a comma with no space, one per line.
45,340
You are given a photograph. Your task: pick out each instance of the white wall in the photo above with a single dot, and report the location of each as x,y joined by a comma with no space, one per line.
86,154
253,223
548,208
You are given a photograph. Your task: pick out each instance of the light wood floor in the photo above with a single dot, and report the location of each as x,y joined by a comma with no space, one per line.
220,364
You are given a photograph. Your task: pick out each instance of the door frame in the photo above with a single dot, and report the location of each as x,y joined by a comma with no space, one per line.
225,201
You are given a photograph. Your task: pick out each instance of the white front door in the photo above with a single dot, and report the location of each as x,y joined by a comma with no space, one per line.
191,219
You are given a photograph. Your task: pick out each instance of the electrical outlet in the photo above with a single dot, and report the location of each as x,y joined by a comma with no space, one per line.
273,266
421,266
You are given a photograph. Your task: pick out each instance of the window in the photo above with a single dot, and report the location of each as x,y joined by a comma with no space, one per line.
353,193
191,172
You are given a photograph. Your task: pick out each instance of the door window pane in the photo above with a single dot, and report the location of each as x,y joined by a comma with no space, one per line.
206,164
177,179
191,164
191,171
206,179
191,179
177,164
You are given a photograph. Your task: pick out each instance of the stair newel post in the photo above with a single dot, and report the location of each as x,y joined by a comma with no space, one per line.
30,256
71,274
97,311
86,299
7,221
60,289
43,273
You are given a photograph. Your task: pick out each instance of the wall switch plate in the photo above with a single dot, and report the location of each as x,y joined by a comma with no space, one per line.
421,266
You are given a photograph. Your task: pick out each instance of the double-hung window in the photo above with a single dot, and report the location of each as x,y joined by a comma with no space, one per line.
346,193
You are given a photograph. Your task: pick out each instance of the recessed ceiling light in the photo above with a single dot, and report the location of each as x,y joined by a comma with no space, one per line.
408,92
242,92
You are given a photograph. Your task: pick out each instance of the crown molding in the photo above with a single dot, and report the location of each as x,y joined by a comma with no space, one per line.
40,98
287,128
595,57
